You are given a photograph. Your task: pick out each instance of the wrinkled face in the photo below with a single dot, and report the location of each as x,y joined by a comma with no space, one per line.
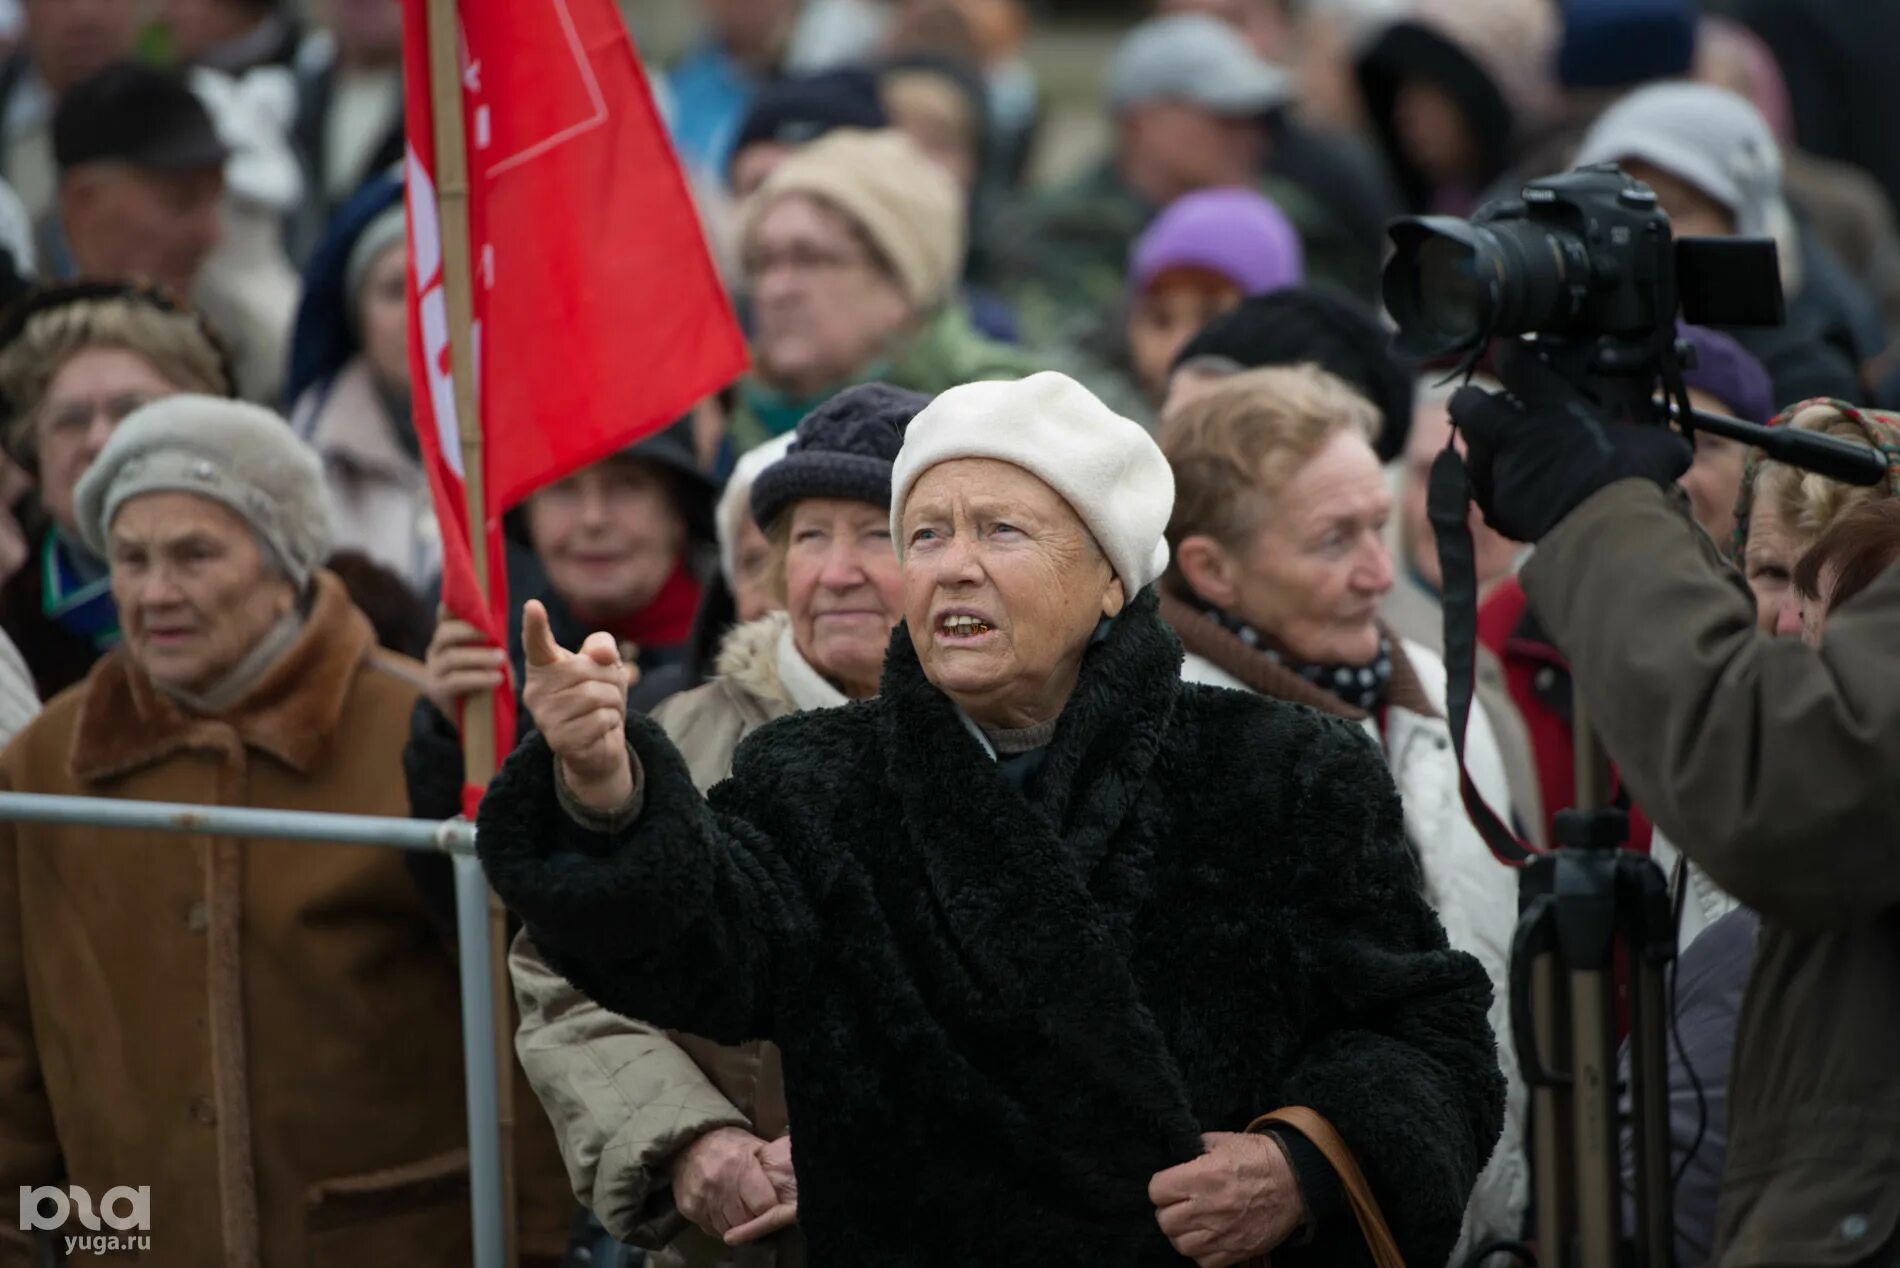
128,222
75,39
1714,480
1431,428
1191,149
1773,551
1433,132
1165,316
843,589
823,305
1691,212
195,590
1313,574
608,537
1003,588
752,595
384,318
89,396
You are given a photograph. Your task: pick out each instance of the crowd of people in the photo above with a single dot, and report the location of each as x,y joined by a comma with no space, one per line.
1002,741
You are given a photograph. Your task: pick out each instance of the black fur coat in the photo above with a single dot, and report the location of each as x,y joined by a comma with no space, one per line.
1001,1014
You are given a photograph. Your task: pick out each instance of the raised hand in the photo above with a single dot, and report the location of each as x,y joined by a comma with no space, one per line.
579,704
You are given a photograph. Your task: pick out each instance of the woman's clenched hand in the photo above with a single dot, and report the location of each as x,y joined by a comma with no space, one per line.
1235,1202
579,703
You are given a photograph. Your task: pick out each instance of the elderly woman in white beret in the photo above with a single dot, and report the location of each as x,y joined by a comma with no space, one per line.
265,1033
1040,930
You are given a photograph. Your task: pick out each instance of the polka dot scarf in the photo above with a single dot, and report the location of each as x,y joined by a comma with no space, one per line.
1364,687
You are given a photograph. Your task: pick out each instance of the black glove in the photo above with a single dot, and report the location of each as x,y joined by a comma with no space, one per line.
1540,447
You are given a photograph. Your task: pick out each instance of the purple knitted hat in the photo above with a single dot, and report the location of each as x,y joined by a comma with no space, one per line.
1728,372
1235,233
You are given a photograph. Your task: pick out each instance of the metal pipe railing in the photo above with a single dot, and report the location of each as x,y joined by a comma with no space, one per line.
455,837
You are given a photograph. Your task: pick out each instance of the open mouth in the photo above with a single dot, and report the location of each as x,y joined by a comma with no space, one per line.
963,626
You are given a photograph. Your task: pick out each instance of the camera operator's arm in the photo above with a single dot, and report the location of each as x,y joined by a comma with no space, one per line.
1771,764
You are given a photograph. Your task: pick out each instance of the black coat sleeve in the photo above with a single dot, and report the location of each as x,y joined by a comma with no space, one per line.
677,918
1399,1055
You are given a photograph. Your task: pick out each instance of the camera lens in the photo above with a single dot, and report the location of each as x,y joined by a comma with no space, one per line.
1451,284
1436,287
1451,299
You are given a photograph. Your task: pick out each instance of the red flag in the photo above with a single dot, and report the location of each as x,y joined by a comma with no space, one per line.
599,317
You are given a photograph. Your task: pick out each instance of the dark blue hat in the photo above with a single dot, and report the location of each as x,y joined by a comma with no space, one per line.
1623,43
845,449
128,113
802,108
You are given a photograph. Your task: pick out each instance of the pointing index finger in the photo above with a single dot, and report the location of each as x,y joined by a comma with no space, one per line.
537,638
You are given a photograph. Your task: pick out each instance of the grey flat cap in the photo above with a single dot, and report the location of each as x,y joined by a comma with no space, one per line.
1199,59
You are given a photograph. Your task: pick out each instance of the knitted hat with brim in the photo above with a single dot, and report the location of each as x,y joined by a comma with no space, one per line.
1106,467
238,455
908,207
844,449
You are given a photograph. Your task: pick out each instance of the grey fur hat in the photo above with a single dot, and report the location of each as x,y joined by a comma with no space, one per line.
238,455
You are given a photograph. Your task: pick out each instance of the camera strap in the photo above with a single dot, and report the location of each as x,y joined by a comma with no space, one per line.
1448,502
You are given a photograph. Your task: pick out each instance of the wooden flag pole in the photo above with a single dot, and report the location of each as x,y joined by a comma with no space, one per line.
478,714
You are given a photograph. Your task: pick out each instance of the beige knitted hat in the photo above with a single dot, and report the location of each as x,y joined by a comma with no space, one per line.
910,208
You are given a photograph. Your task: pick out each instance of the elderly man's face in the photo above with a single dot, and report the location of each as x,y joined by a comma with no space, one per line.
1003,588
824,307
843,589
1312,575
123,221
88,396
194,588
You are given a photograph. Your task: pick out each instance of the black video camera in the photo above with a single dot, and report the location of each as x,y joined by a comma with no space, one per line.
1585,262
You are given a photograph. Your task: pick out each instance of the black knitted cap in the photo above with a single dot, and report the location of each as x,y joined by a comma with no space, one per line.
1342,336
128,113
845,449
802,108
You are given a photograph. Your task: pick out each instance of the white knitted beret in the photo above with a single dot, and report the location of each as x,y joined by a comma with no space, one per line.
1105,466
239,455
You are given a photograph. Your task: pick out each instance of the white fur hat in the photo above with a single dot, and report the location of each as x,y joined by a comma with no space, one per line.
1107,467
238,455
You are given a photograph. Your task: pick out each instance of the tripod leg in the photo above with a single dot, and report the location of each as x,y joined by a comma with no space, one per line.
1598,1155
1551,1130
1649,1107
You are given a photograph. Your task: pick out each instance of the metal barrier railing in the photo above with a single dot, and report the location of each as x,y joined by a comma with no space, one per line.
456,838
